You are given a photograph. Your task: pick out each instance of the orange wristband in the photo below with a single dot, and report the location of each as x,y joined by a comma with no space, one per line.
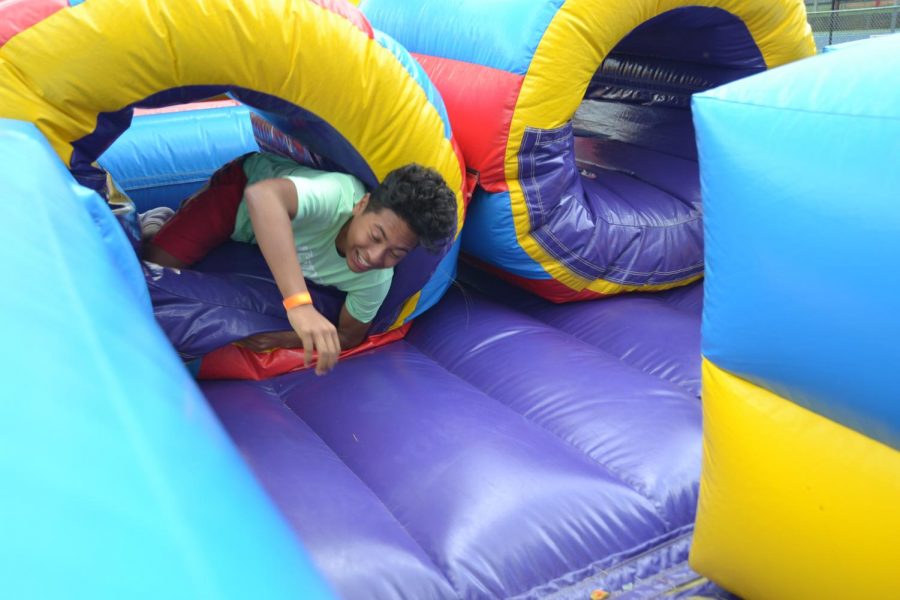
295,300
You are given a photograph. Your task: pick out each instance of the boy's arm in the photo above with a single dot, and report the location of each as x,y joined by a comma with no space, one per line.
272,204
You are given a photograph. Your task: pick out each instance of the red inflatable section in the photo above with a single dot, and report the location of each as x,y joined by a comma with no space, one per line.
549,289
483,133
235,362
18,15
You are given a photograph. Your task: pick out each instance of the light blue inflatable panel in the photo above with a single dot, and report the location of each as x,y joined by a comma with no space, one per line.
801,191
150,140
117,480
492,24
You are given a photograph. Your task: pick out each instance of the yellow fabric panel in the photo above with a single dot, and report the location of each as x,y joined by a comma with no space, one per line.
408,307
607,287
792,505
113,194
576,42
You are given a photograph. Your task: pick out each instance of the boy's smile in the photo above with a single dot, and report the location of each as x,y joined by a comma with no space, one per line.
376,239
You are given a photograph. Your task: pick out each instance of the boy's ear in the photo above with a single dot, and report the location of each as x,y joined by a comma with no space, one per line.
361,204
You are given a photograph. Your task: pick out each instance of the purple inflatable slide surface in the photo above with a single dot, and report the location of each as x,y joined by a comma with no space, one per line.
507,448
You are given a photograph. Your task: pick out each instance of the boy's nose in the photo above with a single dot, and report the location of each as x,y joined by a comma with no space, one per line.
378,254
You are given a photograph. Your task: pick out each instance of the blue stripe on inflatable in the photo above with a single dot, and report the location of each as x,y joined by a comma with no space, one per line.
110,126
434,290
800,187
418,75
501,35
139,160
117,478
489,235
317,134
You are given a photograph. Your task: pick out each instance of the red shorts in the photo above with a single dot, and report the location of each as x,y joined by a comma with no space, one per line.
206,219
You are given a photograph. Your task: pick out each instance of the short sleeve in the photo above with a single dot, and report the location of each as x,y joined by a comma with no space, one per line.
363,303
320,198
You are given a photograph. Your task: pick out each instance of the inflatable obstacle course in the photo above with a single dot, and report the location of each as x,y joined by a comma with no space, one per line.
508,447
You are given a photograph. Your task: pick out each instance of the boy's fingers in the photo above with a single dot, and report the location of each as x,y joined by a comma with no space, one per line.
324,354
335,348
328,365
307,349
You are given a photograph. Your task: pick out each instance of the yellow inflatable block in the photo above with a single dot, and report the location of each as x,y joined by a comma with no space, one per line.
792,505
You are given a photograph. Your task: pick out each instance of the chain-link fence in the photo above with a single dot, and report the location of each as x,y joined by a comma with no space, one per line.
849,24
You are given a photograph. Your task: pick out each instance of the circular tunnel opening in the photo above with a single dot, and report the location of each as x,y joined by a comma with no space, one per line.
635,145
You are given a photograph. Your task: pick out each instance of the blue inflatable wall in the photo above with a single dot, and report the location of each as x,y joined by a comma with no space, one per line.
117,479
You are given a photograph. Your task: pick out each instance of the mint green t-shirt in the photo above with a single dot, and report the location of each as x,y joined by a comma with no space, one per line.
324,203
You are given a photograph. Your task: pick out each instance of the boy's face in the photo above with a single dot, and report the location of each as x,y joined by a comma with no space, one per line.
376,239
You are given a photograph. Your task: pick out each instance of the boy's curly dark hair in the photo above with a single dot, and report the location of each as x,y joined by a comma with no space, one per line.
420,197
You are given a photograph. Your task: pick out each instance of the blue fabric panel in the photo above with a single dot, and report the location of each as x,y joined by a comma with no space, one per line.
417,73
501,35
489,235
800,183
318,135
143,165
444,275
117,479
110,126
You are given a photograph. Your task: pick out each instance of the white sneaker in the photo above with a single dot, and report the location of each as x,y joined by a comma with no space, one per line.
153,220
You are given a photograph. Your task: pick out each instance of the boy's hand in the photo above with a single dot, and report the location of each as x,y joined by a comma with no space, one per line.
316,333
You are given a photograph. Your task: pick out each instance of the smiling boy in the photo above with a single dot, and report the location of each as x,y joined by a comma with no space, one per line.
314,224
